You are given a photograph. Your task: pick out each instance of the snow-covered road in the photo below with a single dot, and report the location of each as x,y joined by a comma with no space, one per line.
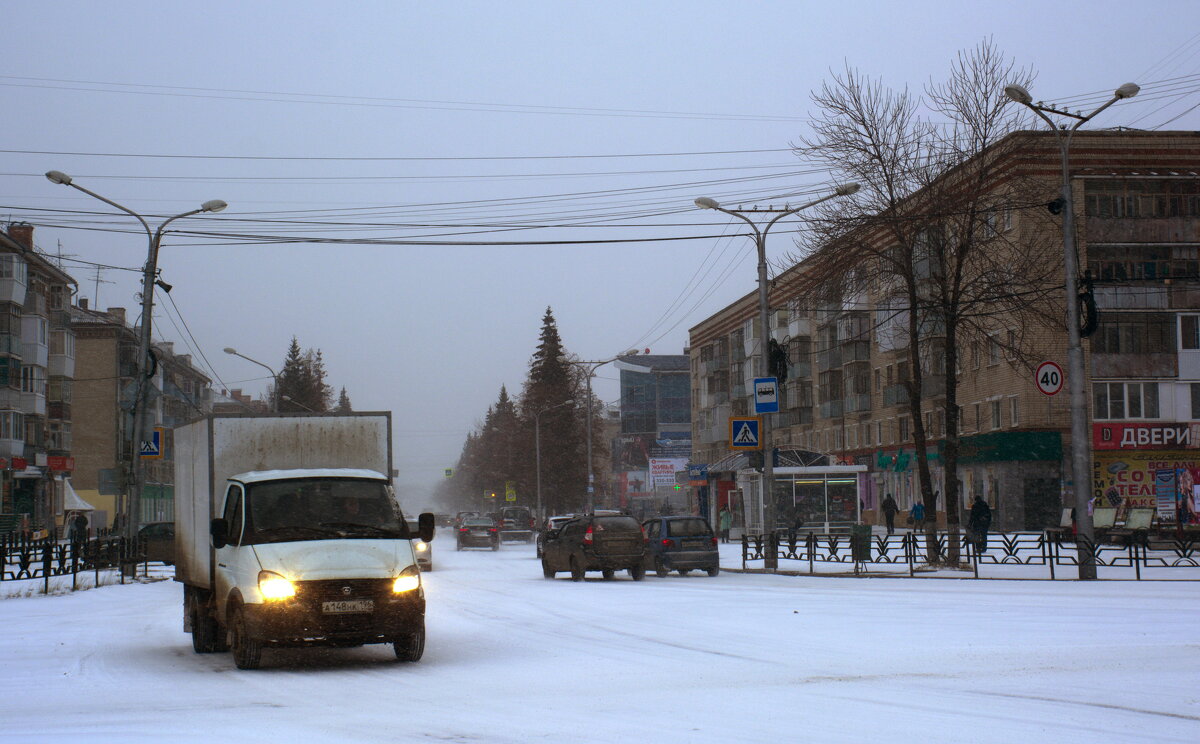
512,657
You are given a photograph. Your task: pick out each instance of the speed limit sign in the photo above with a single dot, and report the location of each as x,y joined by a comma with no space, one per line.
1049,378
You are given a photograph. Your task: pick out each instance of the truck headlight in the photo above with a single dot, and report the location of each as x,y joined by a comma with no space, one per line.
272,586
422,547
409,579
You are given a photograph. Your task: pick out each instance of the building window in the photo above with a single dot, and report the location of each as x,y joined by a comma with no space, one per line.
1189,332
978,418
1195,400
905,426
60,436
12,425
996,420
1126,400
1013,419
993,348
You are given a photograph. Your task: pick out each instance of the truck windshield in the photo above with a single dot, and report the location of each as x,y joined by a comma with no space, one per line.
321,509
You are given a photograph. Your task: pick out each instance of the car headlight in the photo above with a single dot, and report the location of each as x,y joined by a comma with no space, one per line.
272,586
409,579
422,546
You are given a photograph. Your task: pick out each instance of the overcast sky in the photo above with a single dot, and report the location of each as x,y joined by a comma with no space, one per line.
514,129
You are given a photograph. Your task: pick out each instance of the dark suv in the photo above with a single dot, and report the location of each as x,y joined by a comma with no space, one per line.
681,544
595,543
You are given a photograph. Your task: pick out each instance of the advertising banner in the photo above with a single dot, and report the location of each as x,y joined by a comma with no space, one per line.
1142,479
662,471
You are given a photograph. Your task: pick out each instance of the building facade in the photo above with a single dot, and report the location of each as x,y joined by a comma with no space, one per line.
37,368
107,348
655,438
848,368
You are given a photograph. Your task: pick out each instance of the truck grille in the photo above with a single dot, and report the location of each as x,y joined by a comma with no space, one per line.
339,589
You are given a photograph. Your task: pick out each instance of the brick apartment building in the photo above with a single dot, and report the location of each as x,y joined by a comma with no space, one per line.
845,401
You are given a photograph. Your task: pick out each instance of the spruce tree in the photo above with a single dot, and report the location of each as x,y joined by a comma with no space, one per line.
551,382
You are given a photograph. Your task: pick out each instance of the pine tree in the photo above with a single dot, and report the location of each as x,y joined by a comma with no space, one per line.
343,404
302,384
552,381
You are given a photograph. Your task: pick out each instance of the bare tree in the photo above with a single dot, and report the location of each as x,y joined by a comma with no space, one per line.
927,236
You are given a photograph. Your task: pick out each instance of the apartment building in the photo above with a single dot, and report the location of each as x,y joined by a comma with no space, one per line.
845,402
107,367
37,366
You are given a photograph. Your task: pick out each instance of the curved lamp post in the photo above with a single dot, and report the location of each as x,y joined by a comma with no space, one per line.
760,241
141,399
1080,442
590,503
274,393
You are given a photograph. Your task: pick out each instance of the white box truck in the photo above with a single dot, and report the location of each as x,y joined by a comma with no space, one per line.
288,533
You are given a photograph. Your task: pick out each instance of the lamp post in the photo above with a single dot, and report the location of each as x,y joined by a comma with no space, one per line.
537,448
275,392
293,401
142,391
590,503
760,240
1080,442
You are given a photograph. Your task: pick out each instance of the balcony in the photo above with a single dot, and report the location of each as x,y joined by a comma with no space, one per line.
828,359
856,403
799,326
60,365
795,417
895,395
1132,298
33,404
933,386
832,409
1135,365
800,371
856,351
58,410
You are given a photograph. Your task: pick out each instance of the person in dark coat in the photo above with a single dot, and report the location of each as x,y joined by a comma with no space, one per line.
978,522
889,513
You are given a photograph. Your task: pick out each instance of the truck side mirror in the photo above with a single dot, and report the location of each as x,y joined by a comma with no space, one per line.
425,526
219,529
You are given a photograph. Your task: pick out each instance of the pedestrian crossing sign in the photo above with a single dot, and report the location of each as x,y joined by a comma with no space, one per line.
152,450
744,432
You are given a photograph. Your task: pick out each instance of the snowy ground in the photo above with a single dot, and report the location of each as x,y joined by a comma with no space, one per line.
512,657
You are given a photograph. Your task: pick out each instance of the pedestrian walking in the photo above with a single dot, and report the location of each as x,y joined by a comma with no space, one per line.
916,516
978,522
889,513
724,522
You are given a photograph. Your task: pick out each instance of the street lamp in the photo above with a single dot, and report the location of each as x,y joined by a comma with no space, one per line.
293,401
590,503
142,392
275,392
760,240
1080,454
537,448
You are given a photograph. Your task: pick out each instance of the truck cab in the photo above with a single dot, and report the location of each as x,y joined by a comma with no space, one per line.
316,557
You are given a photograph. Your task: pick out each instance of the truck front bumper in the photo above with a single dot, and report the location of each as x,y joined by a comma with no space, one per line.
322,618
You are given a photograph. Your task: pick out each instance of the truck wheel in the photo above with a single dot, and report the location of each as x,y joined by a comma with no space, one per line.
410,647
638,572
682,571
660,570
576,570
714,570
205,631
608,573
546,570
247,652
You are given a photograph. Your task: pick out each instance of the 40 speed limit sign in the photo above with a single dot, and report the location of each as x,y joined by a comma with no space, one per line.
1049,378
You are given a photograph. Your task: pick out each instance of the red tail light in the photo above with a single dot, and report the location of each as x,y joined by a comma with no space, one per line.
587,536
463,529
714,541
668,542
491,529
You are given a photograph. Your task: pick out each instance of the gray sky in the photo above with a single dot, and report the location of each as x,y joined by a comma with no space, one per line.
460,122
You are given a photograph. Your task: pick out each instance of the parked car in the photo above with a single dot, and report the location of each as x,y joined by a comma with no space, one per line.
478,532
516,523
552,523
595,543
157,541
681,544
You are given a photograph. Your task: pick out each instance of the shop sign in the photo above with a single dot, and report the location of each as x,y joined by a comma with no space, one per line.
1146,436
1141,479
60,463
19,463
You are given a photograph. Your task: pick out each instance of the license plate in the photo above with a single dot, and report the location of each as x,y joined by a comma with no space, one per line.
341,607
698,544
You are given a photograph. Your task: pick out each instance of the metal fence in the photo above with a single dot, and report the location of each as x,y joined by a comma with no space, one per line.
1029,555
32,560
